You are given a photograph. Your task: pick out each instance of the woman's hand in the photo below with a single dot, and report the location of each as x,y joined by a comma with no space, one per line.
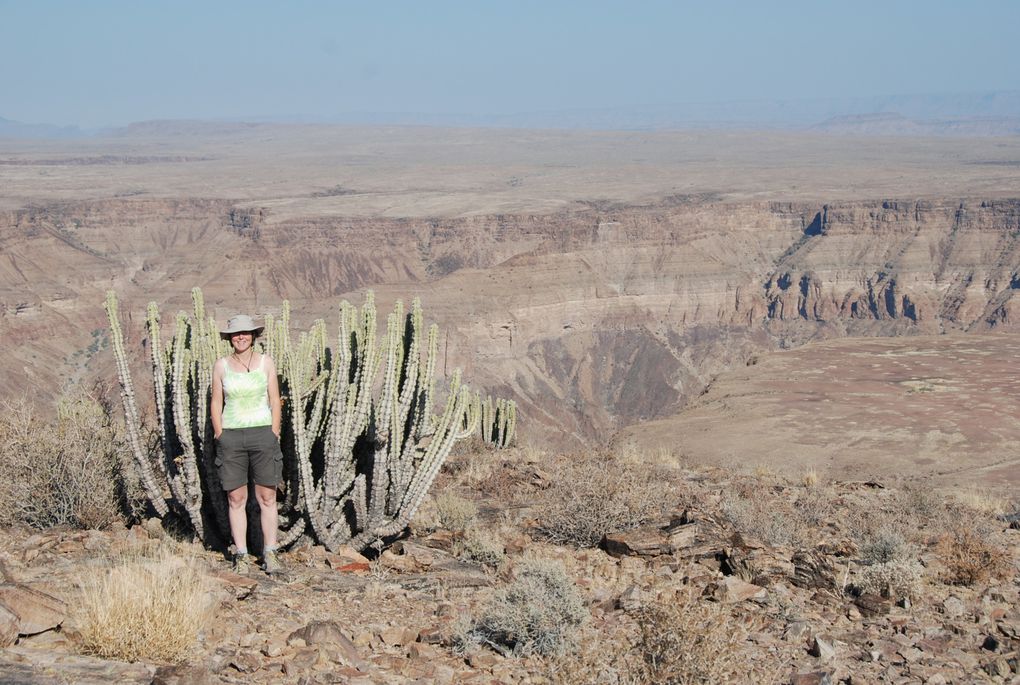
216,436
276,432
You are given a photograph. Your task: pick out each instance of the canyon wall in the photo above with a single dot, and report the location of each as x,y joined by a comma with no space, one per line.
592,319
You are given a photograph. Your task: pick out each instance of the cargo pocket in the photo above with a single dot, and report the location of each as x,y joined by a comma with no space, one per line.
278,464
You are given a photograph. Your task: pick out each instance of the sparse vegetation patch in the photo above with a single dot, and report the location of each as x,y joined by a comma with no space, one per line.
968,558
538,612
144,608
594,494
62,471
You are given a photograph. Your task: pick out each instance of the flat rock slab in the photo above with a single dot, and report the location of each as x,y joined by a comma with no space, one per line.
732,589
8,627
650,541
21,666
36,610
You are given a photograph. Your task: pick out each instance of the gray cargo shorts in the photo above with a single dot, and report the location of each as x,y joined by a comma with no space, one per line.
240,450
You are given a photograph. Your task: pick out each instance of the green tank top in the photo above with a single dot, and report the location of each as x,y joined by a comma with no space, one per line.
246,397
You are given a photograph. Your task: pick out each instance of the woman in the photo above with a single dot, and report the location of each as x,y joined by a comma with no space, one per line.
245,416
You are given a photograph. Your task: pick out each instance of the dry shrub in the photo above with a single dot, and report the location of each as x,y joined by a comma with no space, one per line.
148,609
924,511
674,640
64,471
453,512
764,518
514,475
426,518
538,612
968,559
483,546
599,658
884,544
683,641
471,468
814,506
594,494
896,579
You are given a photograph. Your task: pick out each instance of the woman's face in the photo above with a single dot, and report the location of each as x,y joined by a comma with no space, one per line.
241,341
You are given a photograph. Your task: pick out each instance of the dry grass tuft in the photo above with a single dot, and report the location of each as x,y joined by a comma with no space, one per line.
453,512
764,472
982,501
64,471
144,609
592,495
968,559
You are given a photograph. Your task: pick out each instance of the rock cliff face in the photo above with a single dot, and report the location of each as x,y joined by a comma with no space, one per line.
592,319
893,266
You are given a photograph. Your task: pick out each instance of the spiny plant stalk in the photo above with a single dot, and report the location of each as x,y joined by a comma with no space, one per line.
362,442
141,459
497,420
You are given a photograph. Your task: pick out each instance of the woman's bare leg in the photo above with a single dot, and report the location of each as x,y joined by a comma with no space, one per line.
236,501
266,497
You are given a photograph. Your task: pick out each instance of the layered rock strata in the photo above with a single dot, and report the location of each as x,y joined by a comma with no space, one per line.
591,319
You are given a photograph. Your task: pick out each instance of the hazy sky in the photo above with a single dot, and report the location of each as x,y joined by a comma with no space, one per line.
104,62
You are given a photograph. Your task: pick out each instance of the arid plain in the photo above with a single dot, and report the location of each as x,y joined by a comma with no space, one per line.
767,427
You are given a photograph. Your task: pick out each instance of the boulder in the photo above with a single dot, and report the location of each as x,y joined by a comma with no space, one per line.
328,636
182,674
812,678
822,648
953,607
872,605
731,590
345,556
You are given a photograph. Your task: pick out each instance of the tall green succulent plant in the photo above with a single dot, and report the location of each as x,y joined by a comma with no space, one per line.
497,420
359,428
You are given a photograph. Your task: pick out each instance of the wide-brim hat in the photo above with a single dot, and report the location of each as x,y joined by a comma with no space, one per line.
240,323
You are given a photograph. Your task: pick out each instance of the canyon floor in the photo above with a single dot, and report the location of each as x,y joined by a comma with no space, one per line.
934,409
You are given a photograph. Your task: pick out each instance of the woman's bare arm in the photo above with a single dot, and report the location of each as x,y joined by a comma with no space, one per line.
216,405
275,405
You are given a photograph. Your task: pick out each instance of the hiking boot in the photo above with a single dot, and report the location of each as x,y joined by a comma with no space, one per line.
271,563
242,564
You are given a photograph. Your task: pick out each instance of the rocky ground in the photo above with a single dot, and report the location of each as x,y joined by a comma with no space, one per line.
729,577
